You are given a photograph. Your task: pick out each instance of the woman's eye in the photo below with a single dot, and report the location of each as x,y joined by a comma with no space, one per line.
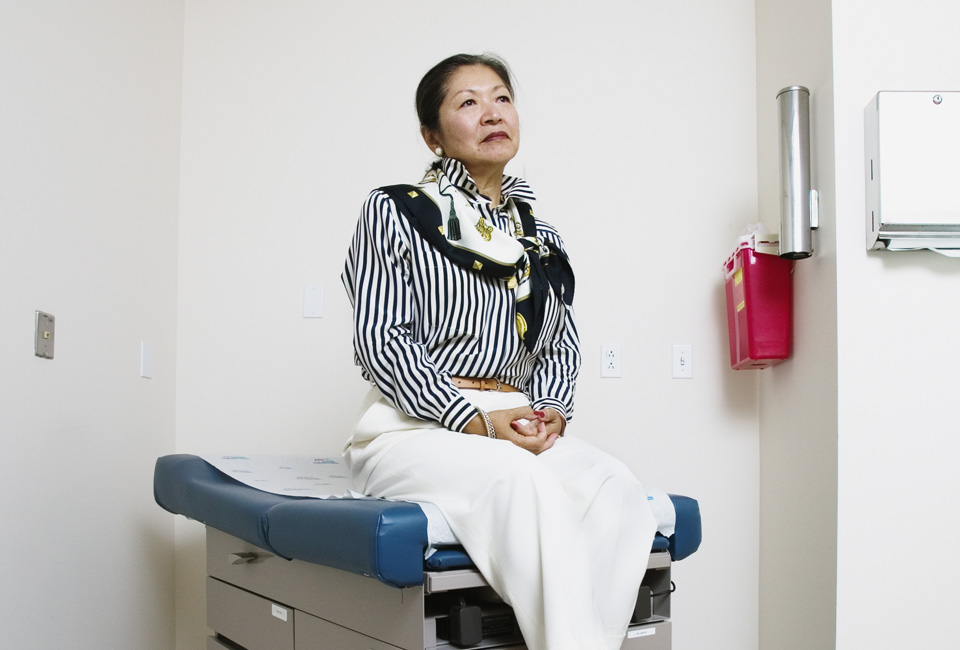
469,102
504,98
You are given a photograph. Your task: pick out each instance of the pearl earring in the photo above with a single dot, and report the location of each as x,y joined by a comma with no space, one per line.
439,152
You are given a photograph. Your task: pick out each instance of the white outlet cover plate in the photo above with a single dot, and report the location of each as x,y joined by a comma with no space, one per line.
611,360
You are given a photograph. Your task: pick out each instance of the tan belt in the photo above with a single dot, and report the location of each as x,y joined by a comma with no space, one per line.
484,384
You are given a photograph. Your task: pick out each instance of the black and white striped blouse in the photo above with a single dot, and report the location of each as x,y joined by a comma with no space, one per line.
420,320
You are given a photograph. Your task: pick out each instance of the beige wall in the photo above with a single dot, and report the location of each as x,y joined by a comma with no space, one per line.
639,136
798,399
89,157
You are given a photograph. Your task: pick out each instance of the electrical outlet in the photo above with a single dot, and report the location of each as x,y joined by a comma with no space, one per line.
610,360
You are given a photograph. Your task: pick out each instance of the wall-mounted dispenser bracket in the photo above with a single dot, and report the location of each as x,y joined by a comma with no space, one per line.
814,209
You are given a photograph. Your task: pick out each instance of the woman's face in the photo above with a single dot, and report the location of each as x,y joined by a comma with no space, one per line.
479,125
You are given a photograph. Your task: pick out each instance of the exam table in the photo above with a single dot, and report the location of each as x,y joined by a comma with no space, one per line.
293,573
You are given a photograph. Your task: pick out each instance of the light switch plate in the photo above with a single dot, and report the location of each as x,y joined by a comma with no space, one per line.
146,360
683,362
43,337
313,301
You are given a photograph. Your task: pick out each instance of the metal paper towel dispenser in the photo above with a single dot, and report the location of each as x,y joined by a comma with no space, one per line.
912,142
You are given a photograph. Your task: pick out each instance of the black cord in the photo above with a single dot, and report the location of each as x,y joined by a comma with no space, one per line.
673,588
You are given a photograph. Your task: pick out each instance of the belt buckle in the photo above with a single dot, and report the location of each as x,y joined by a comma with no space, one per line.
483,384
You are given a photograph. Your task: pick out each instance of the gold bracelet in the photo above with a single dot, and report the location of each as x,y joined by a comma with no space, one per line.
491,432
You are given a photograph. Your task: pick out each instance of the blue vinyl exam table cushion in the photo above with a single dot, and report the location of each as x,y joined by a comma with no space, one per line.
372,537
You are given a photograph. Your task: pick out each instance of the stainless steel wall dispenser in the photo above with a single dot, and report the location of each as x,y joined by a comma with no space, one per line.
798,202
912,163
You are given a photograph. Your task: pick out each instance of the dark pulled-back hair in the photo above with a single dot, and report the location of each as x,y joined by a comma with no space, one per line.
433,86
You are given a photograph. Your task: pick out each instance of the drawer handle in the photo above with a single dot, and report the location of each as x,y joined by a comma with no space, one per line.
248,557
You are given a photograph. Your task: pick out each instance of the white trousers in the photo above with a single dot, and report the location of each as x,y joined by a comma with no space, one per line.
563,537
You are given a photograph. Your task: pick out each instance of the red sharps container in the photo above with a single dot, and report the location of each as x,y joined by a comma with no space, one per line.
759,287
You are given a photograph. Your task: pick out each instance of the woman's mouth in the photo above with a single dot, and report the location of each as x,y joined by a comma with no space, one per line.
496,135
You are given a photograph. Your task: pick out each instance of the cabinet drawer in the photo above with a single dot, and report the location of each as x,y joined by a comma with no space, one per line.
352,601
314,633
247,619
651,636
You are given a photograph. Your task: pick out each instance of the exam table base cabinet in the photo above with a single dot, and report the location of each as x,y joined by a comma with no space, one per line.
257,601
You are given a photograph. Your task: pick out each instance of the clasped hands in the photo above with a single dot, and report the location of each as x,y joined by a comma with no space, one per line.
530,429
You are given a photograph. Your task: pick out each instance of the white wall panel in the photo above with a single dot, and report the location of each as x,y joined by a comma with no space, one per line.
897,350
89,176
638,136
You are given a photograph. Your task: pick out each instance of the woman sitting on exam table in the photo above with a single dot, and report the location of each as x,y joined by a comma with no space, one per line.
464,325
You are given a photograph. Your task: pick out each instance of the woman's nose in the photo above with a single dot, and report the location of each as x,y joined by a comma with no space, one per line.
492,115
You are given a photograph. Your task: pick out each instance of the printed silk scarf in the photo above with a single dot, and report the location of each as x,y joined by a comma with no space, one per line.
530,266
